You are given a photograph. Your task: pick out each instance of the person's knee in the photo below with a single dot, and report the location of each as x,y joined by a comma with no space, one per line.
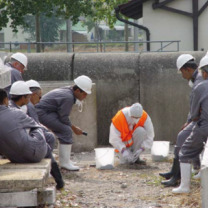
140,132
182,136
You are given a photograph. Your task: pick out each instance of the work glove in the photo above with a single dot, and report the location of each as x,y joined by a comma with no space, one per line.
128,156
137,154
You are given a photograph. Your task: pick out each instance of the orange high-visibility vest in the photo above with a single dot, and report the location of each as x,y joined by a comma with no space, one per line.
119,121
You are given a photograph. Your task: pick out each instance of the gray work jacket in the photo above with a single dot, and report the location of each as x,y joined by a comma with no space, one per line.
15,76
15,143
59,101
197,78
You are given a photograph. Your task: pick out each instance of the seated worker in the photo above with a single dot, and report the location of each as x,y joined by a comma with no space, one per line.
131,133
22,139
17,66
31,111
186,64
194,144
53,111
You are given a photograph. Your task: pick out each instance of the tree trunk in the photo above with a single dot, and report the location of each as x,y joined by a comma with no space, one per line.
37,30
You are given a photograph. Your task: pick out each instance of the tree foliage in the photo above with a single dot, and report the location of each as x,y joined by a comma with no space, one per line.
49,27
104,10
16,10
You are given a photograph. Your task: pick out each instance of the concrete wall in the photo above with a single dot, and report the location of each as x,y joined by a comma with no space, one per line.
166,25
121,80
116,81
164,93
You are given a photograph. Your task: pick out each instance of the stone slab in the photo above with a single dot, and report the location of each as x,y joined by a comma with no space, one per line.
47,196
19,199
204,187
22,180
5,76
43,164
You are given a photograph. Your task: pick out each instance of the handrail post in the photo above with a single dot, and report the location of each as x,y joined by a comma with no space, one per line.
10,47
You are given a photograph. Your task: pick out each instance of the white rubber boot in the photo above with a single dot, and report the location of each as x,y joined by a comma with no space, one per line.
197,176
64,157
185,179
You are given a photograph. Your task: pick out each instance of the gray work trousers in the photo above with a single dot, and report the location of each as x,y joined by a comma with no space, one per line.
62,131
50,138
182,136
194,145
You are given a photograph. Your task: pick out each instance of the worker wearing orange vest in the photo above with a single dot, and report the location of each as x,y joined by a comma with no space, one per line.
131,132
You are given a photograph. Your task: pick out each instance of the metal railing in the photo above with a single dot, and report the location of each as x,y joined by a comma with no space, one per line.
100,46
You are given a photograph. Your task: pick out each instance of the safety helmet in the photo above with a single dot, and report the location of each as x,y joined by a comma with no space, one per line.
204,61
33,83
136,110
84,83
20,57
183,59
20,88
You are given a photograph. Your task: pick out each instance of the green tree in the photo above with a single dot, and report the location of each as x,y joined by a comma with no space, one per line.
49,28
104,10
16,10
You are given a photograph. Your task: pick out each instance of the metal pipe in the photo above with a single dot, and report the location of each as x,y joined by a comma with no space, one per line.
135,25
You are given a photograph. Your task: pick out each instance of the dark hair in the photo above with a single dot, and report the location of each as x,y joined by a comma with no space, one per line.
16,98
34,89
3,95
190,64
205,68
75,87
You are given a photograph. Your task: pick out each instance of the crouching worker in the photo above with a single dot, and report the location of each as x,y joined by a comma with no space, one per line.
53,111
22,140
131,133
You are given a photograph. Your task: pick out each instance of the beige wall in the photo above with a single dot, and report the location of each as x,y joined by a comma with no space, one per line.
165,25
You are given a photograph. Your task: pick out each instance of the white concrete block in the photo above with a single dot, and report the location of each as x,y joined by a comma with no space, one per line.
19,199
47,196
204,187
5,75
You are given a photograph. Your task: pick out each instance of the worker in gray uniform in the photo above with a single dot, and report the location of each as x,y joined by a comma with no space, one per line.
194,144
17,66
31,111
187,66
22,139
53,111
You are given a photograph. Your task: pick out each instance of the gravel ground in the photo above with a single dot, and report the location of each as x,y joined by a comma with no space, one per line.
132,186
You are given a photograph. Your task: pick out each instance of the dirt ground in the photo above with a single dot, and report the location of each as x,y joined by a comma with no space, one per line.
125,186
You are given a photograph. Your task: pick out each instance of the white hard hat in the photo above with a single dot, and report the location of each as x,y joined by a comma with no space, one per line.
20,88
183,59
136,110
33,83
20,57
84,83
204,61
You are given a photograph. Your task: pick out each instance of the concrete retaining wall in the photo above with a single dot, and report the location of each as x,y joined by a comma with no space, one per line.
122,79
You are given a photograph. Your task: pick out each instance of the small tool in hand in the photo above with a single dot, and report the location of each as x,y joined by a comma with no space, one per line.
84,133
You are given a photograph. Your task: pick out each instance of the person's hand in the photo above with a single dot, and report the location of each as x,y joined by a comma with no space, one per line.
184,126
76,130
137,154
128,156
